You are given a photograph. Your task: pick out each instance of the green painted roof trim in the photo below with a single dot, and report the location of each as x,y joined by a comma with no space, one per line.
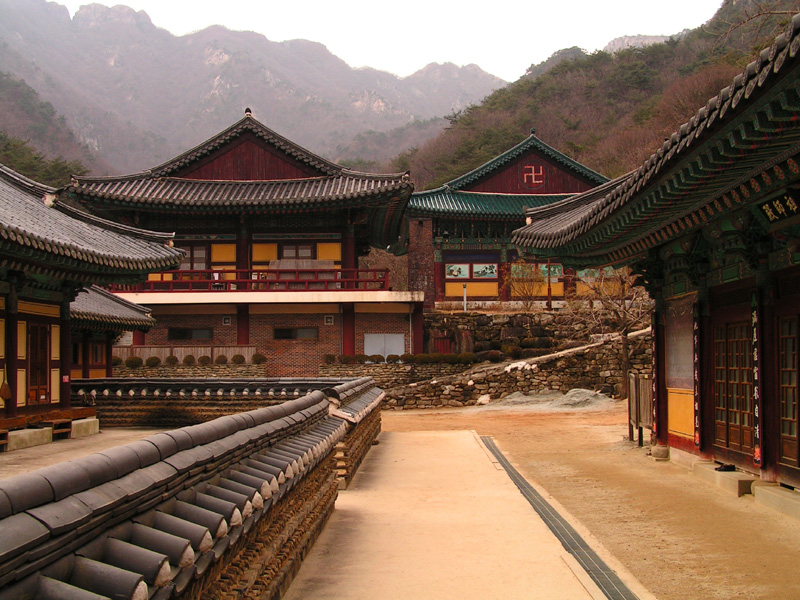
531,143
444,202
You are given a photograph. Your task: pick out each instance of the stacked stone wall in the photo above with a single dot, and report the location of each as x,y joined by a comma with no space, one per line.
596,366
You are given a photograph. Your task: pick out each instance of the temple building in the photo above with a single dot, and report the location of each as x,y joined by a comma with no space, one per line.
711,223
459,235
49,252
272,235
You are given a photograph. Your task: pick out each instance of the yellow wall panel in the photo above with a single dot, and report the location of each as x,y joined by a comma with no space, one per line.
223,253
35,308
159,277
329,251
55,385
22,387
265,252
680,412
77,374
55,342
97,373
473,289
22,340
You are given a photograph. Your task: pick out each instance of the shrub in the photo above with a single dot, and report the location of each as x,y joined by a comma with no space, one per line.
376,358
516,352
466,358
436,357
329,359
451,359
361,358
133,362
189,360
346,359
221,360
116,361
482,355
407,358
528,342
258,359
204,360
530,353
392,359
482,346
238,359
422,359
152,361
171,360
495,345
495,356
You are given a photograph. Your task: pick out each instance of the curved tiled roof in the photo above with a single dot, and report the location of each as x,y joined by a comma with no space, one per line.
33,228
100,310
476,205
531,142
751,122
173,193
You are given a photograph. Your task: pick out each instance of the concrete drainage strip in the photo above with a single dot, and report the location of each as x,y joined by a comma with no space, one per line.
173,514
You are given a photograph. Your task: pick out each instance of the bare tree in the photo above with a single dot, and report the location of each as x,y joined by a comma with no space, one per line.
609,302
524,282
752,20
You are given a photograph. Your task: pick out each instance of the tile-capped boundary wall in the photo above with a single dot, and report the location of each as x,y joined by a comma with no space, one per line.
594,366
177,401
226,508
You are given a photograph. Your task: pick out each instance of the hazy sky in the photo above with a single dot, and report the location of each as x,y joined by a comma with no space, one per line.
503,37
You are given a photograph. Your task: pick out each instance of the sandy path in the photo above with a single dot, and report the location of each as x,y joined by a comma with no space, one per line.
680,537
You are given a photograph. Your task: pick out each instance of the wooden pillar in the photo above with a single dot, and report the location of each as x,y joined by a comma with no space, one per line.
243,239
86,352
12,344
109,354
504,276
438,277
659,376
243,324
417,329
348,329
65,351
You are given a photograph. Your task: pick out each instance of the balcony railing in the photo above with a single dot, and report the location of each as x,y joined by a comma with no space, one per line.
267,280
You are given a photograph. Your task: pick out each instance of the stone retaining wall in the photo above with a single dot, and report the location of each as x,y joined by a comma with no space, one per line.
596,367
225,509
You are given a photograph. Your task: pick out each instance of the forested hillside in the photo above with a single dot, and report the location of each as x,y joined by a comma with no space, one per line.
608,111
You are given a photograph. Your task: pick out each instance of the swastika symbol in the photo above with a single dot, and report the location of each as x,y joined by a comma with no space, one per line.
533,175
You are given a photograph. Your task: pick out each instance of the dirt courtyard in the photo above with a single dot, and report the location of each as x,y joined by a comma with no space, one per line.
679,536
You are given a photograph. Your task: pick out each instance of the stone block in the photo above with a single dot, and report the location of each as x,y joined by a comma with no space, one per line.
783,500
27,438
85,427
735,482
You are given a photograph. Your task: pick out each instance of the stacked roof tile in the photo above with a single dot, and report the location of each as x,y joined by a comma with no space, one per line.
36,228
748,126
99,310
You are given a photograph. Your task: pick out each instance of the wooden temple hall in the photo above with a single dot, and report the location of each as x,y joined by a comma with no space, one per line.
711,223
55,322
272,234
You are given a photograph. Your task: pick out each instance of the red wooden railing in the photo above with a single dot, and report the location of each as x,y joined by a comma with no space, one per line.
253,280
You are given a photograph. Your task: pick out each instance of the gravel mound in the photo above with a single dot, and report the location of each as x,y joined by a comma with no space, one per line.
551,401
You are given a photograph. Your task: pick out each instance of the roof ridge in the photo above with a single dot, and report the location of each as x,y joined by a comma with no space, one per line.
19,180
530,142
246,123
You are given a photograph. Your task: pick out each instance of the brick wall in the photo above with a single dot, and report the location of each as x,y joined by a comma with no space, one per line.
420,259
380,323
224,335
289,358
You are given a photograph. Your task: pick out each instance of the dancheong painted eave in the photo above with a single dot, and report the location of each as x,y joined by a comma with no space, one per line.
741,143
444,202
36,228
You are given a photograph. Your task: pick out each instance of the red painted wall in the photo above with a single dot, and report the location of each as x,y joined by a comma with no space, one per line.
249,159
531,174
